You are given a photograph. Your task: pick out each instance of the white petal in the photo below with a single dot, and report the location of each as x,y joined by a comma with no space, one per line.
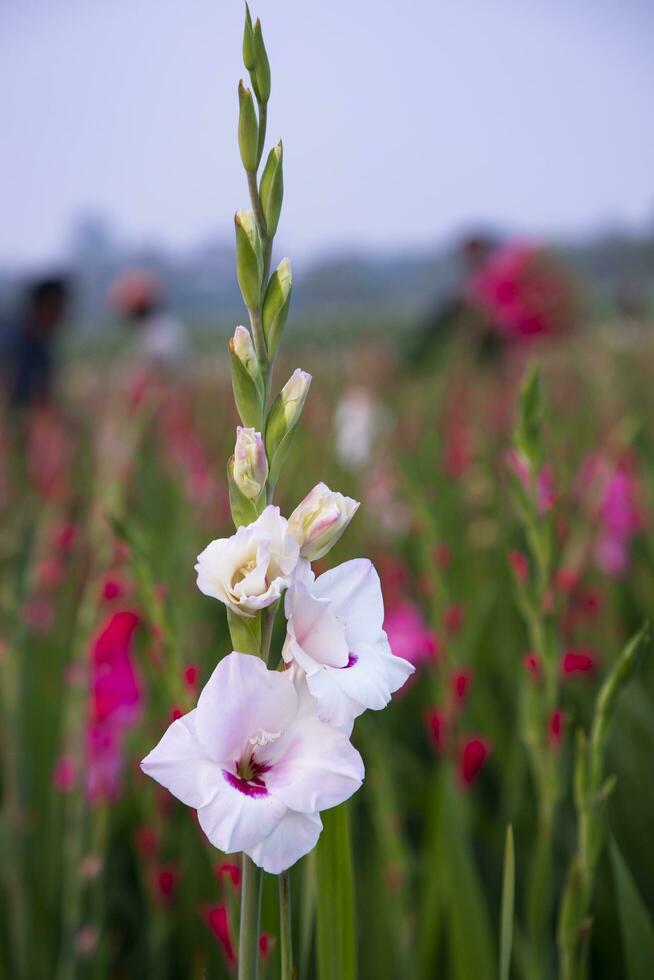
333,705
355,590
314,766
316,628
241,698
182,764
294,836
210,568
234,821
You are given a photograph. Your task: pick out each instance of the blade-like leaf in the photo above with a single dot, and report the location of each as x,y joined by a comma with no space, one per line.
508,898
336,942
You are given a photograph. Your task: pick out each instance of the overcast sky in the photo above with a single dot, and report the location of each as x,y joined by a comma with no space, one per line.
402,120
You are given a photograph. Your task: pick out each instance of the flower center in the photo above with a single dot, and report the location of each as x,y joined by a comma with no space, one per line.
244,570
248,778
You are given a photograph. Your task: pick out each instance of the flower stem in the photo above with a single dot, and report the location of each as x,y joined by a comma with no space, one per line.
285,927
248,940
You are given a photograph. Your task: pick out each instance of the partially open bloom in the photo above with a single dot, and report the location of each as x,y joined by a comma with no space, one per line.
335,637
250,463
256,763
250,570
293,395
319,521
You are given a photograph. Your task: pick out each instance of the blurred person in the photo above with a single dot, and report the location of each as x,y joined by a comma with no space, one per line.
507,293
161,340
29,343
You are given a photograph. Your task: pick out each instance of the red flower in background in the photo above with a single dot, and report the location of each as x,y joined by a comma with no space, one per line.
472,756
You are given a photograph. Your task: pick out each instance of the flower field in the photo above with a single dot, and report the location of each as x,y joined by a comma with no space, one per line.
503,827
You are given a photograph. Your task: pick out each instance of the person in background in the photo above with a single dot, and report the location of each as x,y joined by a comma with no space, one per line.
508,293
161,341
30,342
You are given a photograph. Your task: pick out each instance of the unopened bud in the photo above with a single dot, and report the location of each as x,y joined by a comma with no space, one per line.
249,259
276,305
320,520
248,41
250,463
248,129
246,378
271,190
261,74
282,419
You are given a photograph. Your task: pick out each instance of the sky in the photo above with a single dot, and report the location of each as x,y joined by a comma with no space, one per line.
403,120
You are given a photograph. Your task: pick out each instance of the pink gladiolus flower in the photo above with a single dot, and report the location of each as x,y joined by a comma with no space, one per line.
167,879
113,588
578,662
453,618
437,729
229,871
115,703
218,922
63,774
519,564
472,756
545,494
619,522
264,946
522,292
461,682
408,634
556,726
256,763
532,665
146,841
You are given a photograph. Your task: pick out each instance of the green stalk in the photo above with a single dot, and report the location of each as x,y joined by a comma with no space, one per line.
285,926
248,939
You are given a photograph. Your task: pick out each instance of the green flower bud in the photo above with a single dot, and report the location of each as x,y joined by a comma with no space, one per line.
276,304
248,129
249,259
271,190
261,74
282,419
248,41
246,379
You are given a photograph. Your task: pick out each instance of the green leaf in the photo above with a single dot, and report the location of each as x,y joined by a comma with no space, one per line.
336,945
245,633
466,902
635,922
530,416
508,902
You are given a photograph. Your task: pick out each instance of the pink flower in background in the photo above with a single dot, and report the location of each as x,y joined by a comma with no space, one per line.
218,922
545,493
408,634
115,703
619,521
578,662
472,757
522,292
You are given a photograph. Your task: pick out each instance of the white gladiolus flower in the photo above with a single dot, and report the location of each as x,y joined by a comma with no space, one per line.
319,521
294,393
250,463
250,570
256,763
335,637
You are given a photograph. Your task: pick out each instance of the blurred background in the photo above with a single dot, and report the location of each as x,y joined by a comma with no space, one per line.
405,128
468,188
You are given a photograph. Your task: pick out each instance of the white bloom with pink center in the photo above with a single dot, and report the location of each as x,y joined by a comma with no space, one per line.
335,637
320,520
250,570
257,763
